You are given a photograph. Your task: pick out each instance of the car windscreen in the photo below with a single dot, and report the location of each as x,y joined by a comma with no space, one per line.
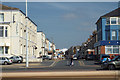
105,56
115,58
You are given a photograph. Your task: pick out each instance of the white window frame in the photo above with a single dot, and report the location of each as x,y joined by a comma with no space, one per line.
111,19
4,49
112,49
4,28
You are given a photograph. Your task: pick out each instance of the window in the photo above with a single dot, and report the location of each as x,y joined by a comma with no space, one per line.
107,20
13,17
107,35
119,35
108,51
6,50
113,20
116,49
112,49
114,35
6,32
118,20
1,17
1,50
1,31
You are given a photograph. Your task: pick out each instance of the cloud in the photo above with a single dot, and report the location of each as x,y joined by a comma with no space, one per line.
70,16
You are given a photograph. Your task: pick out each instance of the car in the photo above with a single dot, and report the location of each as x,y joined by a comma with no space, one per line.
90,57
5,60
113,64
17,59
102,56
44,57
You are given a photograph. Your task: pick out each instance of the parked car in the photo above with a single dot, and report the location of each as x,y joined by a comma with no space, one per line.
17,59
45,57
111,65
5,60
90,57
103,57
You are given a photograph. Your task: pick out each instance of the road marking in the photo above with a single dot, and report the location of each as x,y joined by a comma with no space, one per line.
53,64
81,63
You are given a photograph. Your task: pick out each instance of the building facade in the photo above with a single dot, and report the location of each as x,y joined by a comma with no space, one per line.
108,31
13,33
41,43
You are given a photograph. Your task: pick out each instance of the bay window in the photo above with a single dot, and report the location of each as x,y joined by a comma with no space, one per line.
112,49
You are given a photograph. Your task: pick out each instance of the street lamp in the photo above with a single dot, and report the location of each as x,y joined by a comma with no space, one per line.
27,62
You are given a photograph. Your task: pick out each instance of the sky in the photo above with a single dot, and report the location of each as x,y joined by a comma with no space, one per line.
66,23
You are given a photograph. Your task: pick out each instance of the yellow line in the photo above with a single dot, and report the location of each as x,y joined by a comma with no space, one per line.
80,63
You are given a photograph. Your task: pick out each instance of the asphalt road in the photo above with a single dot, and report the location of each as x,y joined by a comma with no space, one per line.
45,70
79,65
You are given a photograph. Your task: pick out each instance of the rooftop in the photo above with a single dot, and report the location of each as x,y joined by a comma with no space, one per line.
114,13
3,7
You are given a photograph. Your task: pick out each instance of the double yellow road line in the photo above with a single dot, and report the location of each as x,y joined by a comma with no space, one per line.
81,63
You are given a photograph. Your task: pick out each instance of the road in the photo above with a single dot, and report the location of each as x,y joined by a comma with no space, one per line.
57,70
60,65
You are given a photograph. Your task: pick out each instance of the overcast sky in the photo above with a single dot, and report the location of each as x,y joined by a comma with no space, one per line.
69,24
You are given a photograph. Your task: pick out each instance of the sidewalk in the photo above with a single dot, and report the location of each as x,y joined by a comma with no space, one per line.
63,74
31,65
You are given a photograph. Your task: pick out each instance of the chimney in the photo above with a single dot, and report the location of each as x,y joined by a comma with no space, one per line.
119,4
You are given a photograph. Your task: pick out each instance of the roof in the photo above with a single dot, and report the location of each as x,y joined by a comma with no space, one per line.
114,13
3,7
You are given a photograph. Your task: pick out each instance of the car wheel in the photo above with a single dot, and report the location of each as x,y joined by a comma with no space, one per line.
111,67
5,63
19,61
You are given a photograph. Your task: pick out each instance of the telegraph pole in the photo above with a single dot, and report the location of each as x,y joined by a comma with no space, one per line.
27,62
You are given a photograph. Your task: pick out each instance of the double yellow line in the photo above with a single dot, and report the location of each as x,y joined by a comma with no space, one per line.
81,63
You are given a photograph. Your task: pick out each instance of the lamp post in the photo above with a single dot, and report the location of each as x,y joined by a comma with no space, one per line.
27,62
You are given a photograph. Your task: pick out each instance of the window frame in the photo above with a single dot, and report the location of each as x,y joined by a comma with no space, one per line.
115,35
5,31
112,48
2,15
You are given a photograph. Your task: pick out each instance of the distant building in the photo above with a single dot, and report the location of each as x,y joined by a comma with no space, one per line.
108,31
41,43
88,46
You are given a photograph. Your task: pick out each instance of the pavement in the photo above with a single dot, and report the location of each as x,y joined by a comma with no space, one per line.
74,75
31,65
